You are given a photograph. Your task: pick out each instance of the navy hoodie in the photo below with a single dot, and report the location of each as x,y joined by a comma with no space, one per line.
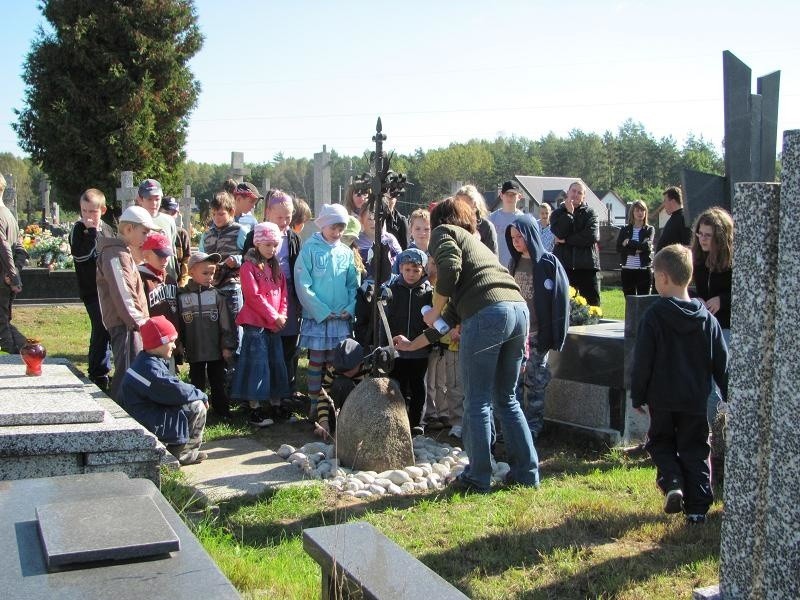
550,285
679,347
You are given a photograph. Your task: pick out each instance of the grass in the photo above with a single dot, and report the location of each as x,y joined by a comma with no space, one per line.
594,529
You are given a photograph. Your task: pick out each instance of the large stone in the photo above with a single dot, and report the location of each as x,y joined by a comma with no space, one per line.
372,430
31,407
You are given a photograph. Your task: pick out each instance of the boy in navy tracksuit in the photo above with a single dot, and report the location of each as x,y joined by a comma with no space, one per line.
679,347
172,410
544,285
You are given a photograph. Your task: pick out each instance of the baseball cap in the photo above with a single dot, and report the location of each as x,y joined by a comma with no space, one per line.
247,189
150,187
198,257
139,216
157,331
158,243
347,355
169,203
509,185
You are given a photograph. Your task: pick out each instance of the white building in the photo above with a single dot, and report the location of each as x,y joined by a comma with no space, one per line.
546,189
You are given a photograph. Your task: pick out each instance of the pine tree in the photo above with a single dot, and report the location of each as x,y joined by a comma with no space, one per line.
109,89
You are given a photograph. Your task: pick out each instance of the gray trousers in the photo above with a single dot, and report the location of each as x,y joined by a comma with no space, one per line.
11,340
196,414
125,345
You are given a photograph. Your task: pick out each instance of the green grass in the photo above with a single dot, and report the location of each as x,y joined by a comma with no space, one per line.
612,301
594,529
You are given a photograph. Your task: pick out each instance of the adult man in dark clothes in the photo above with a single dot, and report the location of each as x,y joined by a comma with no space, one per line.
675,231
577,232
396,223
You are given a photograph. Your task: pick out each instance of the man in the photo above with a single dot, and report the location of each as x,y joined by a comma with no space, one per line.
396,222
11,340
504,216
149,197
577,232
675,231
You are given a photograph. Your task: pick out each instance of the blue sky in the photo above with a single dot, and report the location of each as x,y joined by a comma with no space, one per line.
293,75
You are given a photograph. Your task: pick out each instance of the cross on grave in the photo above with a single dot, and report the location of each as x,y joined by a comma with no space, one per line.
322,179
44,195
126,193
10,195
238,170
187,205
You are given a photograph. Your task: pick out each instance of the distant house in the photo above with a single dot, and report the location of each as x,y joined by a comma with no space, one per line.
616,206
546,189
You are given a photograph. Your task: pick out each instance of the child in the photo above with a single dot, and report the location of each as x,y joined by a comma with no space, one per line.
208,334
226,238
83,245
345,371
172,410
444,403
366,240
545,287
419,224
410,292
160,288
260,377
300,216
326,281
122,300
679,347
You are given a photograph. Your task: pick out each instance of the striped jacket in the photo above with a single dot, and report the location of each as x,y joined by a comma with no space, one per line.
227,241
119,287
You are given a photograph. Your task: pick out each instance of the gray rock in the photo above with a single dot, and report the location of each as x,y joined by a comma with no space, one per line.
414,472
376,489
363,493
285,451
383,482
372,428
408,487
365,478
394,490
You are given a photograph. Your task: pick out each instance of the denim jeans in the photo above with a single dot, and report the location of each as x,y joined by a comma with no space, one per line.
99,356
531,387
491,352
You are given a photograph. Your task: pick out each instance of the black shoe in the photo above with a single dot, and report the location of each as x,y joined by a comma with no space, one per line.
418,430
673,502
459,484
102,382
259,418
695,519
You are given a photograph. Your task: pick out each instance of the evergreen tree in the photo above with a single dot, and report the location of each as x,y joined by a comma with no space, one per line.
109,89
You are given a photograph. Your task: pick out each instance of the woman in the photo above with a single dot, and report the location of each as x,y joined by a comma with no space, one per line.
548,239
473,289
712,251
354,200
484,227
635,247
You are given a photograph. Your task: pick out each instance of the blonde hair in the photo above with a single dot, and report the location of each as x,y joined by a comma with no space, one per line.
471,192
676,261
94,198
420,213
639,204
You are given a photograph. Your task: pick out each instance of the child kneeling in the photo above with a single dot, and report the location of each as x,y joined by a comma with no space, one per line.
172,410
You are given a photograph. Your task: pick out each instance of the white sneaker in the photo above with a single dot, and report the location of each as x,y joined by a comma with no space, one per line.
455,431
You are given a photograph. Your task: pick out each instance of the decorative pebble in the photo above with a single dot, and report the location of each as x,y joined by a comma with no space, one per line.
316,457
313,447
394,490
354,485
285,451
407,487
414,472
441,470
398,477
363,494
295,456
365,477
426,468
376,489
383,482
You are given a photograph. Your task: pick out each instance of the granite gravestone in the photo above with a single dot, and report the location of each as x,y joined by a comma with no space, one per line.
126,192
238,171
322,179
44,198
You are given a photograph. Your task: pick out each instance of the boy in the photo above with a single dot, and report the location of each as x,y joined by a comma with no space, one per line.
226,238
410,292
123,303
545,287
679,347
504,216
160,288
207,332
149,196
172,410
419,224
344,373
83,245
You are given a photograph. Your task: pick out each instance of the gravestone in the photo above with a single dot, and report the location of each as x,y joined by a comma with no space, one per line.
126,192
44,199
187,206
55,210
322,179
238,171
10,195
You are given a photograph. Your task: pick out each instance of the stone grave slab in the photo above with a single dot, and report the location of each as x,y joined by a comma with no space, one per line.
186,574
240,467
106,529
54,376
28,407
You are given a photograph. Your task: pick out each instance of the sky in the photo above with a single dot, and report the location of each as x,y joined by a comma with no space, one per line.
293,75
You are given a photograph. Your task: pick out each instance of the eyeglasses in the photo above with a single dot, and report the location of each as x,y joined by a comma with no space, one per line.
361,194
704,236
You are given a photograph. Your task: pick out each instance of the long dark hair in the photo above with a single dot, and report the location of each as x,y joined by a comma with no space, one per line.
453,211
720,257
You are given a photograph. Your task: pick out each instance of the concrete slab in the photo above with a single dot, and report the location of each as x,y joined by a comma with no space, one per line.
240,467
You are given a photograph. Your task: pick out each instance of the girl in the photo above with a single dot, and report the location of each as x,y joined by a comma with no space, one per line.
484,227
300,216
635,247
260,377
354,200
326,281
366,239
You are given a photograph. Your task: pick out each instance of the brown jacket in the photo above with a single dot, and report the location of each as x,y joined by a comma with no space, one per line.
119,287
9,236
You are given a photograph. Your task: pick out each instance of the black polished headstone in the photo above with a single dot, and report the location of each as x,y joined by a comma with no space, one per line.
592,354
702,191
635,307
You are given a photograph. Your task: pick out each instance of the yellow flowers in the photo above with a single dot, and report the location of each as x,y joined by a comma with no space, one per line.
580,312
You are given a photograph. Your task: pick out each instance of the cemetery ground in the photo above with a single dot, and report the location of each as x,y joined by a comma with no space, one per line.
595,528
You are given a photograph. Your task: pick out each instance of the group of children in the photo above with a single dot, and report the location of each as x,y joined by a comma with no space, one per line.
256,295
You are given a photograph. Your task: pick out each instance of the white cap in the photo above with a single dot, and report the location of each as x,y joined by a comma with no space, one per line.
138,215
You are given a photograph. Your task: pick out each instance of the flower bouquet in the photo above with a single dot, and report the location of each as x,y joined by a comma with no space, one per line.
580,312
47,250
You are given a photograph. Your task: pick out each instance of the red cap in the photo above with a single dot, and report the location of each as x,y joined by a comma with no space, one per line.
158,243
157,331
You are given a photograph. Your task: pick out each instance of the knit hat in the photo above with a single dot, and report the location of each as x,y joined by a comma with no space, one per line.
351,231
347,355
266,233
412,255
158,243
332,214
157,331
198,257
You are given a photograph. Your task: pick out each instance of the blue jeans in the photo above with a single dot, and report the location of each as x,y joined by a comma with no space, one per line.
531,388
99,357
491,351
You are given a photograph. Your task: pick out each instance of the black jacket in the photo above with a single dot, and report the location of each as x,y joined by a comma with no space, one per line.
679,347
675,231
83,246
581,233
645,244
404,311
712,283
397,225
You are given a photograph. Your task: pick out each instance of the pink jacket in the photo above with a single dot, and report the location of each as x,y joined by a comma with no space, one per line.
264,298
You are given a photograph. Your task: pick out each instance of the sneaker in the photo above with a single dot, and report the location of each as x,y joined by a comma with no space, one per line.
418,430
455,431
193,457
259,418
695,519
459,484
673,502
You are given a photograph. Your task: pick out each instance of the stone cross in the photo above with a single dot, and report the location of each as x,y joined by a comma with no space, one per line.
126,192
238,170
10,195
56,211
44,195
322,179
187,204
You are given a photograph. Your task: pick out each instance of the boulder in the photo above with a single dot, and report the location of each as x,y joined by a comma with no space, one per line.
372,428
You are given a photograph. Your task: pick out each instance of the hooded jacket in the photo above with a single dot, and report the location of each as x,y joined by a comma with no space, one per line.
404,312
227,241
161,291
551,286
581,233
679,347
325,278
206,325
119,287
